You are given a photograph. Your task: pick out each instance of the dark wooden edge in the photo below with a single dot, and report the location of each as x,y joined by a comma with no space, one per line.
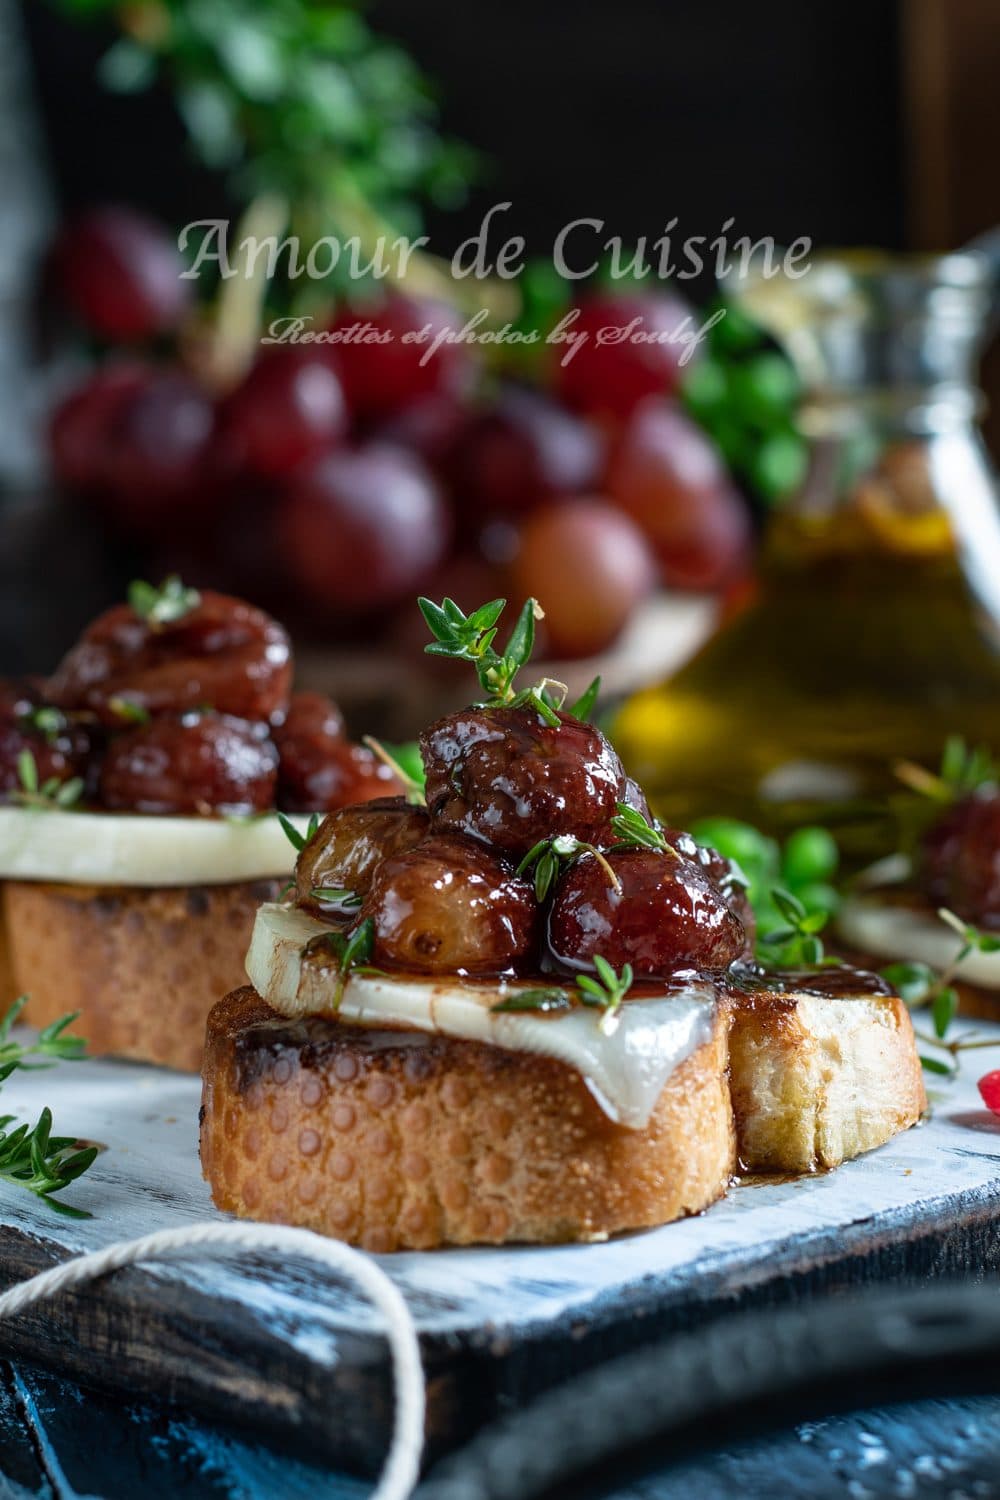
160,1339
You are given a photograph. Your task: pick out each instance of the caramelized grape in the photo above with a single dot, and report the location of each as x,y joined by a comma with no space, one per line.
450,905
960,861
198,763
321,771
668,915
723,875
349,845
223,654
505,776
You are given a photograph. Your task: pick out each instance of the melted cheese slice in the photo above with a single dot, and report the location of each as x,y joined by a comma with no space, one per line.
900,934
625,1069
134,849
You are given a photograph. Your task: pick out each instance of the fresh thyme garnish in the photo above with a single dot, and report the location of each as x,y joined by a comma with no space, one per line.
298,840
352,951
549,856
129,711
799,941
545,1000
45,720
584,705
917,984
608,990
963,771
605,993
332,895
31,1156
634,832
412,785
164,605
51,793
470,638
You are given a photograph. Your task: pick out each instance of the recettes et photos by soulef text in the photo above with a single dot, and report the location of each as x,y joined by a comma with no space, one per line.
496,1002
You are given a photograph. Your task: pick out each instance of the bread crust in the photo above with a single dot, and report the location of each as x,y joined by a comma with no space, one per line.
142,966
408,1140
816,1080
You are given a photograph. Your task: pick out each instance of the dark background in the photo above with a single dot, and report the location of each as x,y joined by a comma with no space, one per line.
786,117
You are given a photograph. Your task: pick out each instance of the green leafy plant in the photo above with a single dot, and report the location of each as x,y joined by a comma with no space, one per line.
549,857
470,637
164,605
352,951
30,1155
604,991
298,840
921,986
51,794
633,830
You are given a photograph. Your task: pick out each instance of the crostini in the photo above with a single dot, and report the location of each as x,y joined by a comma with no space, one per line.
522,1010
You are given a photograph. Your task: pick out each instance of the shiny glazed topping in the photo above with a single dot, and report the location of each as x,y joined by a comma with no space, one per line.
196,763
350,844
450,905
505,776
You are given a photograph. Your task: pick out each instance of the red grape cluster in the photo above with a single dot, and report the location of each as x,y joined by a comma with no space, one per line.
180,702
451,889
351,473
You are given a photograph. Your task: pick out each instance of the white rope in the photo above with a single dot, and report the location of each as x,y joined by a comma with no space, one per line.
402,1465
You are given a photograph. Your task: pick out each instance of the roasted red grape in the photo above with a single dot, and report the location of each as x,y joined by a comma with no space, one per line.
505,776
960,860
81,427
590,565
523,449
667,915
633,347
320,770
289,408
120,273
222,653
59,749
723,875
158,446
197,763
363,527
351,843
670,479
384,359
450,905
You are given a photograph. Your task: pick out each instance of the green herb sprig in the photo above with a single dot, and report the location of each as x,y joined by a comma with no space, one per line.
51,794
549,857
919,985
352,951
298,840
470,637
605,993
164,605
963,770
330,895
634,831
799,941
30,1155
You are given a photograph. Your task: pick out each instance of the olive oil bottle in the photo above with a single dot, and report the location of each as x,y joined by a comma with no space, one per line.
874,630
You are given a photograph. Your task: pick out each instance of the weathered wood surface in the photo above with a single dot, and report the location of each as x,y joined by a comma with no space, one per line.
270,1346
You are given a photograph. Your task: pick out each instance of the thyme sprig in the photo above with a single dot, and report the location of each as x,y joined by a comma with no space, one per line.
634,831
330,895
164,605
550,856
30,1155
963,770
352,951
471,638
799,941
50,793
298,840
919,985
605,992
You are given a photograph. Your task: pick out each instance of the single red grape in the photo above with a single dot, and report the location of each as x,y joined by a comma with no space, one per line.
524,449
384,359
431,427
589,565
289,408
159,443
120,273
363,527
670,479
81,426
199,763
633,346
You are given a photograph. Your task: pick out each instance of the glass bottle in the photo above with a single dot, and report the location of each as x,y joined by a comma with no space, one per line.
874,629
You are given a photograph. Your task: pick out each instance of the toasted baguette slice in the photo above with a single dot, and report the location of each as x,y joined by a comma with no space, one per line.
396,1139
143,966
817,1079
